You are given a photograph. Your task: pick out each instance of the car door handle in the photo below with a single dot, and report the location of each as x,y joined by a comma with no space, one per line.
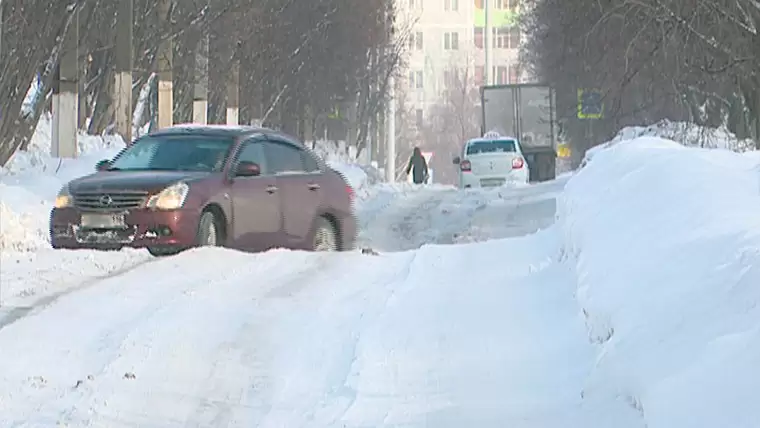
271,189
313,186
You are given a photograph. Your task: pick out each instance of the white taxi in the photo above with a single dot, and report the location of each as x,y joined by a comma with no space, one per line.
491,161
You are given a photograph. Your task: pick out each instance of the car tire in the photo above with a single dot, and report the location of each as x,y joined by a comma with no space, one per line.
325,236
207,235
163,251
208,230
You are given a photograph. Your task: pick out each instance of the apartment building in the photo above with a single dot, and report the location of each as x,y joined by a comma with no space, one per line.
447,36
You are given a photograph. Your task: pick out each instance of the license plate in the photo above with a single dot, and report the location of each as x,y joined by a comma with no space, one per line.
103,221
492,182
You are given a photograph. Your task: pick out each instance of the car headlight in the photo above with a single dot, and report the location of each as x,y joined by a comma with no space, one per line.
64,199
171,198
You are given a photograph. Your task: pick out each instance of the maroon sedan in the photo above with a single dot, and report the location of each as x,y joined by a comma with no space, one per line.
246,188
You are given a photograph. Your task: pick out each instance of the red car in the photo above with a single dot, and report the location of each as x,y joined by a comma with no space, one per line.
245,188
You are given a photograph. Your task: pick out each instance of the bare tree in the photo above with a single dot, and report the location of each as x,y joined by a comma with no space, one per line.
297,60
685,60
455,118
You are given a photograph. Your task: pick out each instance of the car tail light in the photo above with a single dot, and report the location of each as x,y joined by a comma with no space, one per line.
517,163
465,166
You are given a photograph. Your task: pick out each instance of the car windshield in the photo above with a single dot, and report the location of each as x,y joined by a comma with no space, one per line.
175,153
493,146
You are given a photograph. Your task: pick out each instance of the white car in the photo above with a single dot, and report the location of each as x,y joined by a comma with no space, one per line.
491,162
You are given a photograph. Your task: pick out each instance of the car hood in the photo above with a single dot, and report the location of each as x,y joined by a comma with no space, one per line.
150,181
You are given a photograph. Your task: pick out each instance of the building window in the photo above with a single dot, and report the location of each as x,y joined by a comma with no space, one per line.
502,75
451,41
451,5
478,37
501,38
415,79
514,38
480,75
514,74
415,41
505,4
420,118
450,79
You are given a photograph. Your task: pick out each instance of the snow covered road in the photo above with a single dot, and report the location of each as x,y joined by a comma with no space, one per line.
309,340
404,217
482,334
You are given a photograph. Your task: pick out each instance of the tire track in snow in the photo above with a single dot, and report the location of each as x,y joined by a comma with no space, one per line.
400,226
13,314
224,360
316,375
101,343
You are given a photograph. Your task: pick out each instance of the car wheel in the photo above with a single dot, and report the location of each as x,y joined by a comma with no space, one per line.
208,231
163,251
325,238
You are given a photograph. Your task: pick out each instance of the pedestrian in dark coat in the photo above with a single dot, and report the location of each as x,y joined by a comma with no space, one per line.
418,167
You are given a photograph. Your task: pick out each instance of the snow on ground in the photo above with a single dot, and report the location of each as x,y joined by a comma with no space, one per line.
481,334
637,309
666,244
31,180
688,134
397,217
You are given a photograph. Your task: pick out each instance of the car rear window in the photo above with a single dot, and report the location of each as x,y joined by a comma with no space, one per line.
492,146
175,153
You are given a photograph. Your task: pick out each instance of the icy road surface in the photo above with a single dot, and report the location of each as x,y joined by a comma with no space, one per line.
479,334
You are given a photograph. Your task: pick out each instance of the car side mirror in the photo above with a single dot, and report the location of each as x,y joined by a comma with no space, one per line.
103,165
457,160
248,169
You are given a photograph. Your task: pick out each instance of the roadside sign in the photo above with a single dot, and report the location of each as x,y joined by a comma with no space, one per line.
590,104
563,150
427,156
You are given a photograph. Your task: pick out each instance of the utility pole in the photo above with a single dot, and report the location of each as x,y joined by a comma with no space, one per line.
233,88
123,85
66,94
487,33
200,92
165,66
390,119
2,15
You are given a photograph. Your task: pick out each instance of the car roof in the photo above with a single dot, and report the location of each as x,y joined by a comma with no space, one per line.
484,139
232,131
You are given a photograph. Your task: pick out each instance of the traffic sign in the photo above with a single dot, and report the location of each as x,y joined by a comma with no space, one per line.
590,104
427,156
563,150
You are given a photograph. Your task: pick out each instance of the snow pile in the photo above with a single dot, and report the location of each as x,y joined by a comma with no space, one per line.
685,133
665,241
340,159
31,180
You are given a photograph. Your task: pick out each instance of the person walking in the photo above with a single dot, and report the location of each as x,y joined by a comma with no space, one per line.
418,167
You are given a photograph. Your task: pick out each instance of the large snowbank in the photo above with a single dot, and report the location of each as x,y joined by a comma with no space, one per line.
685,133
338,157
665,241
31,180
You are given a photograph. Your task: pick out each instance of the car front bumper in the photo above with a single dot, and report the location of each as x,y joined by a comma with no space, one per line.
141,228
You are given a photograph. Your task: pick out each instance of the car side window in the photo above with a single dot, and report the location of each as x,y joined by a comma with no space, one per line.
311,164
254,152
284,158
